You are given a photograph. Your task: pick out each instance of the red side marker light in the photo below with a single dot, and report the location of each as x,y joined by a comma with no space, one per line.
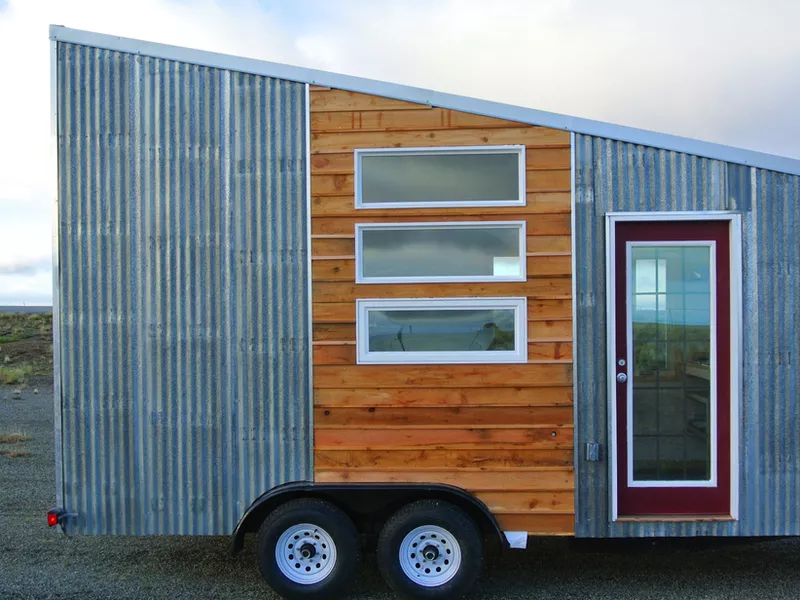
52,519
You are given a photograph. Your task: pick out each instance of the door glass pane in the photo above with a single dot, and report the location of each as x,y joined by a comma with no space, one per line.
458,176
671,313
453,251
441,330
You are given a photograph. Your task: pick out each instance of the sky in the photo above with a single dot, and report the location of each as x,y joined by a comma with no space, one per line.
718,70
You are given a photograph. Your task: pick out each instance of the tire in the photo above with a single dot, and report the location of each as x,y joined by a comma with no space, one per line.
329,549
454,546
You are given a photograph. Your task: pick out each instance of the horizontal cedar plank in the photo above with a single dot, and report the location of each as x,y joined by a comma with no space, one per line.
336,100
338,163
537,478
537,524
549,243
343,332
536,181
318,88
334,312
344,206
345,269
549,266
474,396
334,247
550,330
333,270
528,136
445,415
550,351
544,181
332,185
346,354
537,330
549,309
521,502
542,202
547,158
535,158
380,460
537,224
345,312
540,288
451,439
400,120
335,355
506,375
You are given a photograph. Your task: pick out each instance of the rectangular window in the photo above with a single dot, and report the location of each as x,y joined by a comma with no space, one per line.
439,252
433,177
442,330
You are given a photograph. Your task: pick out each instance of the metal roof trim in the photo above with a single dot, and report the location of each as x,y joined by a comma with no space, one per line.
423,96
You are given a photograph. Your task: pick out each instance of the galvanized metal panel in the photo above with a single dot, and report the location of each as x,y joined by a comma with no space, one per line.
613,177
183,291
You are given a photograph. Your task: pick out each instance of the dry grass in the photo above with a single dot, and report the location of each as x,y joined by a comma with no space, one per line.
14,375
26,347
13,438
14,453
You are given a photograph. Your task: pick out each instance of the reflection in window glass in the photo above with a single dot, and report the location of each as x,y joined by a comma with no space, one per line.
453,176
441,330
457,252
671,367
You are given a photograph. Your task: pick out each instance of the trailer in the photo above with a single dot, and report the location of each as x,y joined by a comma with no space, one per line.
323,309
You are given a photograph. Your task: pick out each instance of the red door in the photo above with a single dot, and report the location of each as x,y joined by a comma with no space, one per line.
672,367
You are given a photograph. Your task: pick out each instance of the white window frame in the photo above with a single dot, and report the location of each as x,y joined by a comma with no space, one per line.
519,355
519,150
519,225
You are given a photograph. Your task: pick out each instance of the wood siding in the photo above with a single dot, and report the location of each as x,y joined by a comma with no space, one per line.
503,432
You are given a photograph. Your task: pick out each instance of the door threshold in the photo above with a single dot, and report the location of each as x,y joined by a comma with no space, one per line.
673,518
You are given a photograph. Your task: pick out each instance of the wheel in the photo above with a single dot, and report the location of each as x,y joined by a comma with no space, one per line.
308,548
430,550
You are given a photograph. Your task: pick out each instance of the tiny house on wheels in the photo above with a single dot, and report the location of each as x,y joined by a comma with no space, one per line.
322,309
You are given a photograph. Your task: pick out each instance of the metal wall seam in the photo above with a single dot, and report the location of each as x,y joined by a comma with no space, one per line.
183,283
576,451
57,417
307,117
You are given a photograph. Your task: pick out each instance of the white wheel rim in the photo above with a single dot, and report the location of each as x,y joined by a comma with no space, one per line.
430,556
305,553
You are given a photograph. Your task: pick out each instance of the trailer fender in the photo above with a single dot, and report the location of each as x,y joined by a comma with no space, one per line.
367,504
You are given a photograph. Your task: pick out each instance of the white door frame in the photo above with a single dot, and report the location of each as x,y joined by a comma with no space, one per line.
735,220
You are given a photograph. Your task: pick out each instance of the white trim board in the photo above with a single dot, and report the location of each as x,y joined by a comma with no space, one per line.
432,98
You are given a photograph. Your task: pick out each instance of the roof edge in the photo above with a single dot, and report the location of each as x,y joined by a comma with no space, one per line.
487,108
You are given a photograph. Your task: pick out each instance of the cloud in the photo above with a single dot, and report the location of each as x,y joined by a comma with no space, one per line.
719,70
29,267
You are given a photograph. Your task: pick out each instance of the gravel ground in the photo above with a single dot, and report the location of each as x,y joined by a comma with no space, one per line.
38,562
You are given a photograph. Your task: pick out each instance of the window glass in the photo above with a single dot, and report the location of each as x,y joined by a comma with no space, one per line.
672,371
442,253
454,177
442,330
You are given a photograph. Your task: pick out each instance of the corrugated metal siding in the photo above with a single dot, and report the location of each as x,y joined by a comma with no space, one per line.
613,176
183,288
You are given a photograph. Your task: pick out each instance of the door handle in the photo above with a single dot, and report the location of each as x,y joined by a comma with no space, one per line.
621,378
